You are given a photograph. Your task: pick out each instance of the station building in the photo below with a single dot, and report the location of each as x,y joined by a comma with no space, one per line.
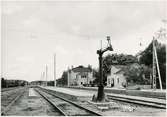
80,76
116,78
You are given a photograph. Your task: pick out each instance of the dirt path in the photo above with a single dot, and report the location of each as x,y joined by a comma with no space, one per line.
32,106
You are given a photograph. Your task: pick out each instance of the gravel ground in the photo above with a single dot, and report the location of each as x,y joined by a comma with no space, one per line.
127,109
32,106
8,96
117,108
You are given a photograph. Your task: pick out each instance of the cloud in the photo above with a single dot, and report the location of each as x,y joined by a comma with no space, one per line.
34,31
11,8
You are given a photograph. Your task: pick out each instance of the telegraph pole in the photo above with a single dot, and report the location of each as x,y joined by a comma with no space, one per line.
68,77
46,74
160,34
156,65
100,94
154,68
55,70
43,78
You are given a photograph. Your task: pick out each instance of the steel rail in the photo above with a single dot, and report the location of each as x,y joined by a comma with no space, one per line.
51,102
137,101
12,102
9,89
73,103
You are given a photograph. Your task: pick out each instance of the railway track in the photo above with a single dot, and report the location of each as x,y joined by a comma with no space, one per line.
64,106
9,89
139,101
10,101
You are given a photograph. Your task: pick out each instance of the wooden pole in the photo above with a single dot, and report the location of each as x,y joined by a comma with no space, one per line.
154,68
159,75
46,74
55,70
68,77
43,77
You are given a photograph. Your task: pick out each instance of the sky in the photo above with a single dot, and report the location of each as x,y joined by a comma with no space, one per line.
33,31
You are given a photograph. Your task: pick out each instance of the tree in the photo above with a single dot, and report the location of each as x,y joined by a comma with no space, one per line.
90,67
135,74
96,75
50,83
3,83
119,59
63,80
116,59
146,58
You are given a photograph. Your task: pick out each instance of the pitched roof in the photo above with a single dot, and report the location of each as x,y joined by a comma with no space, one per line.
125,67
121,68
120,71
81,69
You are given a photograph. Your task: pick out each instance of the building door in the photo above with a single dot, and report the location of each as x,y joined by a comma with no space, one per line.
112,82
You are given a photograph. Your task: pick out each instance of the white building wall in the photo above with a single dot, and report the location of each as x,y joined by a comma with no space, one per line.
85,80
113,75
90,77
122,80
108,81
74,78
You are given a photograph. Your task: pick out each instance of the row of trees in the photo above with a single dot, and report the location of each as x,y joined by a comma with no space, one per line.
63,80
146,59
119,59
39,82
12,83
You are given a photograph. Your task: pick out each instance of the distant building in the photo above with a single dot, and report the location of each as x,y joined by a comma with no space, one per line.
80,76
116,77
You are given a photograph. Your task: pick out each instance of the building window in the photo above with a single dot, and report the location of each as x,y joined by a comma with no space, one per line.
84,76
108,81
118,80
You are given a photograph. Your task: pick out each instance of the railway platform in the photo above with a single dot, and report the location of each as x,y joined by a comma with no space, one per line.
74,94
150,93
88,94
32,93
